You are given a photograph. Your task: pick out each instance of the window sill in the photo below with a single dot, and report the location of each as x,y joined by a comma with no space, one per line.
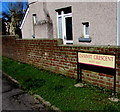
81,39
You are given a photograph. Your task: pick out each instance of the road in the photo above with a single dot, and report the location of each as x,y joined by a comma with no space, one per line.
13,98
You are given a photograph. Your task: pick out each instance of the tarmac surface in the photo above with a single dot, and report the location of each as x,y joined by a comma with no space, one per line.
15,99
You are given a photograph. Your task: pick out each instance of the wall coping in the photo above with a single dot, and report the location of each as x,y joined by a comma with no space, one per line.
95,46
60,43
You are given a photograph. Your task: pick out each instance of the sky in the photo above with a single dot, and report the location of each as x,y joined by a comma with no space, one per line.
4,4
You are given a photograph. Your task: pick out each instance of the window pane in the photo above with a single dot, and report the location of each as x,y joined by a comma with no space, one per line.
66,10
68,21
60,27
86,30
35,18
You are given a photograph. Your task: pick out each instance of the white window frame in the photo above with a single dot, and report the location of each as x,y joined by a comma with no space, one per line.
63,16
34,18
84,29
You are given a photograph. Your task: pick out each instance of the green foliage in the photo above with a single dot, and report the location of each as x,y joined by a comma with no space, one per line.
60,90
111,108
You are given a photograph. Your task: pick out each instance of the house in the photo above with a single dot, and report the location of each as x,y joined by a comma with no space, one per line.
77,23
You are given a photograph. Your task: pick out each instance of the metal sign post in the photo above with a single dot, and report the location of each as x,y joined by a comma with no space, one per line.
115,80
115,85
79,71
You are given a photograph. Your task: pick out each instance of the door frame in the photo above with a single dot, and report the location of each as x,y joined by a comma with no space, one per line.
64,16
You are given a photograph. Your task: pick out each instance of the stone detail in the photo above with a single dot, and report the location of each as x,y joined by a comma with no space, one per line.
46,103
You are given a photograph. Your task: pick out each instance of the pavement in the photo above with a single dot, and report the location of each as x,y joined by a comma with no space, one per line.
15,99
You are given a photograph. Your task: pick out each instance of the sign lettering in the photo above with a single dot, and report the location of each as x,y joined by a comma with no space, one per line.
97,59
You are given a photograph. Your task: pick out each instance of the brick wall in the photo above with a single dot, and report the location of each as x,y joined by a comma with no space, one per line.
52,56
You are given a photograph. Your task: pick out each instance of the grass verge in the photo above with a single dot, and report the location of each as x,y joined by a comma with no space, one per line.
58,89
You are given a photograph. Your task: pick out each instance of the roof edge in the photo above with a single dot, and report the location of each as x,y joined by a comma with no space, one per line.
24,18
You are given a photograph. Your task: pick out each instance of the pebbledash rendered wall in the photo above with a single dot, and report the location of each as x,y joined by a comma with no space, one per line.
100,15
53,56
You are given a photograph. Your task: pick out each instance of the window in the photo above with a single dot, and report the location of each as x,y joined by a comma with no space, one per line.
34,18
85,37
86,29
66,10
64,22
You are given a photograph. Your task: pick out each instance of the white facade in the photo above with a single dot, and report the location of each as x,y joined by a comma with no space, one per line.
55,21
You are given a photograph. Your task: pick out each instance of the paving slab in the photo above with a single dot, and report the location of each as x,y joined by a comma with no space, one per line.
15,99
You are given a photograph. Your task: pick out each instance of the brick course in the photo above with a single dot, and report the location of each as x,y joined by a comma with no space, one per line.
62,59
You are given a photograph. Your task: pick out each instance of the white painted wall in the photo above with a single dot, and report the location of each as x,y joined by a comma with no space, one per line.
102,17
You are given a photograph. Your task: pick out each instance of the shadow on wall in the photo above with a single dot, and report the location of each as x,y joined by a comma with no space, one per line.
49,21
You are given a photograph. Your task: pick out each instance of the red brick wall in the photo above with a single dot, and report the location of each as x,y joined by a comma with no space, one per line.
50,55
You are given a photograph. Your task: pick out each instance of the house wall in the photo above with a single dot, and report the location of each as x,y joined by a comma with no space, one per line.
27,28
102,18
101,15
51,55
40,30
118,23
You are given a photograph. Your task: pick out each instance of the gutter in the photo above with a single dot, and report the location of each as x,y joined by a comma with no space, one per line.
32,2
118,23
